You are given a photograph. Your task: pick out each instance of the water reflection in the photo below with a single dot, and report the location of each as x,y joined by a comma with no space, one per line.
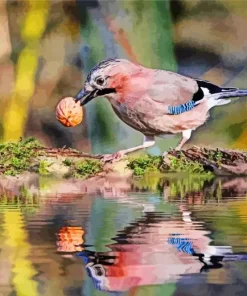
153,250
16,250
126,233
70,239
192,188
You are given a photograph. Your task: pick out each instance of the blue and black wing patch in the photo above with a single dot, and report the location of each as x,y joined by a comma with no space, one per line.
198,96
181,244
174,110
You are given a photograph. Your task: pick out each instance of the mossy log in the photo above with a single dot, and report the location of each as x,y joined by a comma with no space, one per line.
193,160
216,160
29,156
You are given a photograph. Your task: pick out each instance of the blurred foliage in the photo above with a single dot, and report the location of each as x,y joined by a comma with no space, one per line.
17,109
101,121
153,18
46,45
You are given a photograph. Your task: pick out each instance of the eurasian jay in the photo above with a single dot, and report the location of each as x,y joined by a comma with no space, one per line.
154,102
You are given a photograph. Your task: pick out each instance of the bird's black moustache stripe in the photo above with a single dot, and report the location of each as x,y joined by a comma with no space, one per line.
105,91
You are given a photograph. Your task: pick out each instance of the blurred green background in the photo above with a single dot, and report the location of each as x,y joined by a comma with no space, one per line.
48,46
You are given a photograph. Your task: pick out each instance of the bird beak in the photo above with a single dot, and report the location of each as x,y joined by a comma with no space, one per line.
85,96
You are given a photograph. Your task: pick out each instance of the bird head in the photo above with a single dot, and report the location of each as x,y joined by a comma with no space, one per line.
107,79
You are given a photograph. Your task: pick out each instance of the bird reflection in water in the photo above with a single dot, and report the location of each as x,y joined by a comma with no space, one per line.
159,247
154,250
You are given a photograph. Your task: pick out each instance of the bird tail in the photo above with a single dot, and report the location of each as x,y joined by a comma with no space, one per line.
235,257
223,97
231,93
224,89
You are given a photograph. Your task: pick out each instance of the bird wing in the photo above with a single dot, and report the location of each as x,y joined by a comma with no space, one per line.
179,93
172,89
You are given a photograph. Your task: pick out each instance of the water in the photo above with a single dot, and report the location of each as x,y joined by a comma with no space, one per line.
173,235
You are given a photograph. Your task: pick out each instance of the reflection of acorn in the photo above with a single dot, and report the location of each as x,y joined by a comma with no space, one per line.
68,112
70,239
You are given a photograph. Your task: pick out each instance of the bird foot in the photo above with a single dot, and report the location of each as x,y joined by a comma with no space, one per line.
167,152
113,157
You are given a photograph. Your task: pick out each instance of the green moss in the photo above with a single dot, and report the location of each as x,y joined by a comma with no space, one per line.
211,155
218,157
16,157
145,164
10,172
183,165
67,162
84,169
44,167
29,155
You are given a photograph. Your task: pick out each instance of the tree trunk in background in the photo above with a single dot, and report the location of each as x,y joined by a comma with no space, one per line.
6,67
103,125
4,31
145,37
150,32
15,115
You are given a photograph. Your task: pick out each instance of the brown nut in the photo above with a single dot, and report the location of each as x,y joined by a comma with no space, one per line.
68,112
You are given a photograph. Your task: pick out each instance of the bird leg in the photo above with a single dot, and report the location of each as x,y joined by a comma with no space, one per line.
185,137
147,142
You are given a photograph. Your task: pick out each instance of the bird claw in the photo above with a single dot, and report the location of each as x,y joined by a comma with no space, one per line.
113,157
165,154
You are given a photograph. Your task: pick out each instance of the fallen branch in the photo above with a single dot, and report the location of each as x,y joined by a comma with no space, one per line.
26,156
218,161
65,152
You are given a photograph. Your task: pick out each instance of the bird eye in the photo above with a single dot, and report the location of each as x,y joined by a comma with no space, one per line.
100,81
